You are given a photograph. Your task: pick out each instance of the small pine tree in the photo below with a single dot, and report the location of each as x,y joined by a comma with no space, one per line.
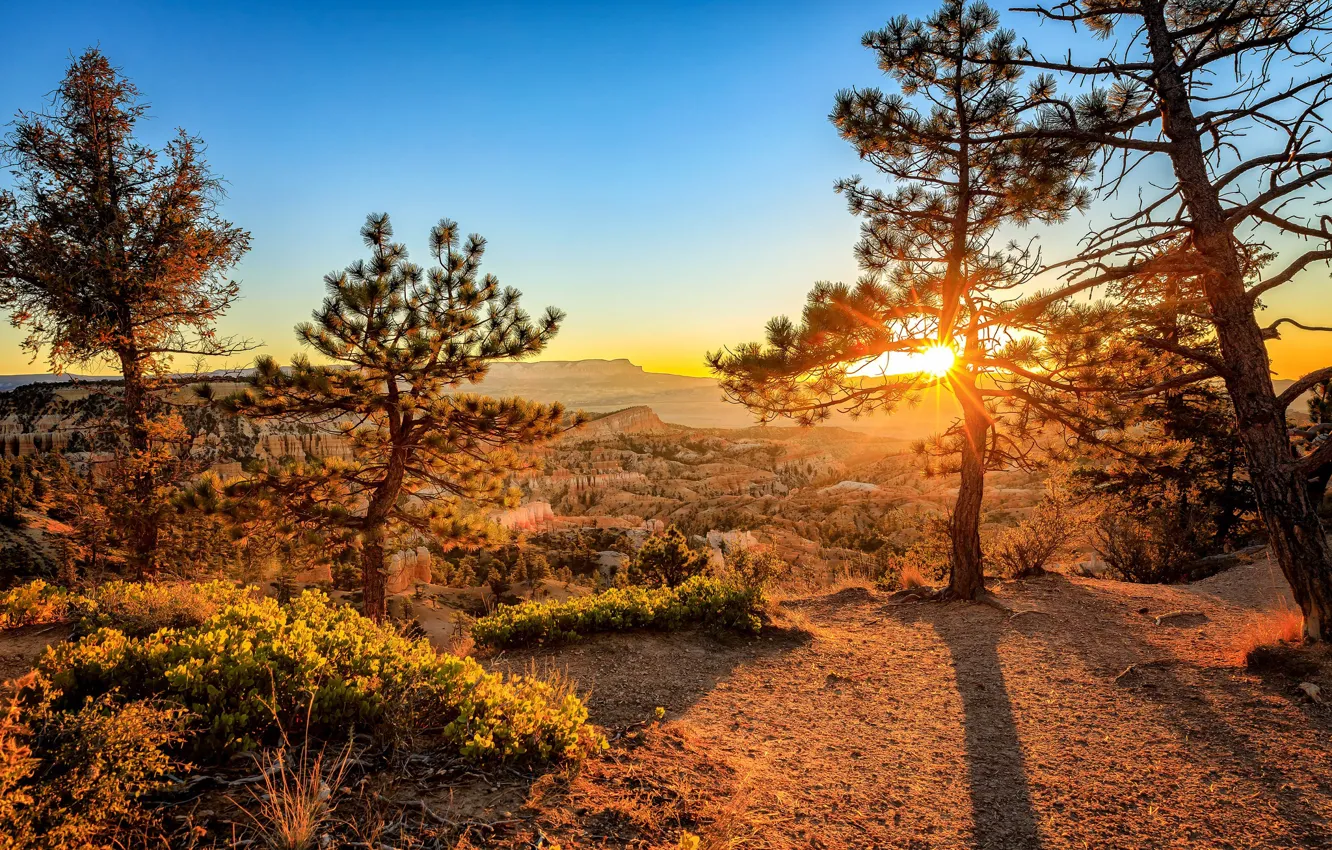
1320,402
666,560
536,569
400,341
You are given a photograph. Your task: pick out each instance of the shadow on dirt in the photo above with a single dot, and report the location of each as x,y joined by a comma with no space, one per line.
625,677
1002,811
1219,740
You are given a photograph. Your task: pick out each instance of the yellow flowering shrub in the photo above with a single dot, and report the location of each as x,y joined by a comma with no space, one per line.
33,603
700,600
139,608
136,608
256,668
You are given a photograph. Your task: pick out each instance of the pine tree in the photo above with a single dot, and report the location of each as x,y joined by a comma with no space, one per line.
666,560
112,252
399,342
1231,95
934,287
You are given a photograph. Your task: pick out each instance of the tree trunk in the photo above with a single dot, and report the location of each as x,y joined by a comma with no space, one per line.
374,581
967,574
1295,532
144,524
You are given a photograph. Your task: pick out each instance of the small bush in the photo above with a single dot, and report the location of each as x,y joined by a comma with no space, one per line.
256,668
135,608
756,566
666,561
74,779
140,608
698,601
1154,549
33,603
1024,549
927,556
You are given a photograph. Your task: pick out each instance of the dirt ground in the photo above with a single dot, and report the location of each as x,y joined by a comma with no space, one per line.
865,722
1080,722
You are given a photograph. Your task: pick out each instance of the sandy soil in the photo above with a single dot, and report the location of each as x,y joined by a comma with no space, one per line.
1078,723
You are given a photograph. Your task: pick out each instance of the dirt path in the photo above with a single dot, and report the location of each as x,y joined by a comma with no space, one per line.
940,726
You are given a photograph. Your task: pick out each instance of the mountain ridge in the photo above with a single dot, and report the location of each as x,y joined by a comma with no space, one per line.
607,385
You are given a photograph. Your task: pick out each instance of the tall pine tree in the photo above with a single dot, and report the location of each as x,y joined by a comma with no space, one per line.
934,284
1231,95
112,252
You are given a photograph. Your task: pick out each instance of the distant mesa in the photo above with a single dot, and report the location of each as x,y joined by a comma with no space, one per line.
621,387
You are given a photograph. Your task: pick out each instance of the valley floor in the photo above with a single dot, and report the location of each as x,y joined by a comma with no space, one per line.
1079,722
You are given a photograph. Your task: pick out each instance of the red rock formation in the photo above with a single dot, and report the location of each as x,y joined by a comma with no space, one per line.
631,420
527,517
408,568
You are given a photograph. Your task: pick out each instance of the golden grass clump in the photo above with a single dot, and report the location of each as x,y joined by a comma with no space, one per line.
911,577
295,798
1267,630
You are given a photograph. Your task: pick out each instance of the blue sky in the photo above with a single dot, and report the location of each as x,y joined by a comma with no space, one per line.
663,172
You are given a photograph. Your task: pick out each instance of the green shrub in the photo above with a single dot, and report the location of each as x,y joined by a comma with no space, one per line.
135,608
755,566
699,601
33,603
666,561
256,668
1154,547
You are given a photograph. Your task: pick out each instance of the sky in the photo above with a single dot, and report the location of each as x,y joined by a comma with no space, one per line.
662,172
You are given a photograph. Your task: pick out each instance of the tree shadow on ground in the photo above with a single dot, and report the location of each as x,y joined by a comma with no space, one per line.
1161,678
1003,815
656,778
626,676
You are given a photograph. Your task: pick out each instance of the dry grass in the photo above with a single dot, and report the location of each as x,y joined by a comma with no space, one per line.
1284,625
911,578
294,799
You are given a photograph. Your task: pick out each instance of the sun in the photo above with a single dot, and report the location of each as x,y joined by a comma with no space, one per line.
937,360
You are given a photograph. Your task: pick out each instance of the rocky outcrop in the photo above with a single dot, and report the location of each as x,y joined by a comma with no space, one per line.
731,541
77,420
533,515
408,568
575,482
318,445
34,442
631,420
851,487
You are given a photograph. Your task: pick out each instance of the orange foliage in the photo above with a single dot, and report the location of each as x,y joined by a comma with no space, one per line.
911,577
